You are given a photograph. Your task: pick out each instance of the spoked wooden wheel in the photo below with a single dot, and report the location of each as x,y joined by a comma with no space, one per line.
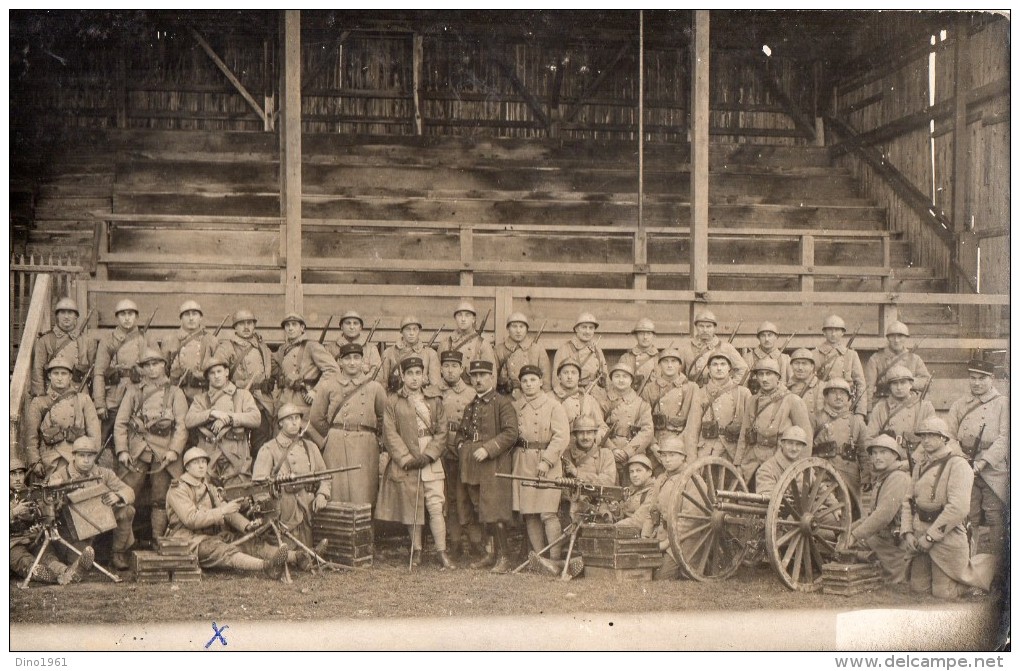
809,509
708,543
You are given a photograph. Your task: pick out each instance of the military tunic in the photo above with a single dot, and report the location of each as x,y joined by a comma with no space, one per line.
471,344
842,439
675,414
988,417
696,352
642,360
543,436
55,421
766,417
489,422
299,365
284,456
722,408
123,513
576,404
116,363
881,362
757,354
351,422
370,358
512,356
69,346
770,473
664,489
635,508
587,355
811,392
597,466
188,351
900,417
251,367
630,429
840,362
389,375
892,487
229,450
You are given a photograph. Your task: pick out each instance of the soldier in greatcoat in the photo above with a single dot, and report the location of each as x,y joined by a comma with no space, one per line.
804,382
643,356
704,343
187,349
793,446
456,394
290,453
840,437
224,416
722,404
58,418
629,418
768,414
415,435
933,520
62,341
672,398
210,525
834,359
895,353
575,401
149,435
879,530
980,422
768,334
118,496
584,459
251,368
348,411
409,344
902,411
466,338
583,349
519,349
351,326
658,521
301,366
488,432
543,437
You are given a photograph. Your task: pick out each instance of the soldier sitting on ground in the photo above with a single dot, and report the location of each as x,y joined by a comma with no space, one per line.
792,447
635,509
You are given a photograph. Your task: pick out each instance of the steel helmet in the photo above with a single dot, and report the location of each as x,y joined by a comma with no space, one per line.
287,410
60,362
586,318
17,465
194,453
644,324
671,353
293,317
124,306
934,425
67,304
889,443
640,459
833,322
212,362
190,305
837,383
897,328
351,314
408,320
767,326
569,362
151,354
705,316
898,373
673,443
464,306
768,363
624,366
719,355
802,353
795,433
243,315
584,422
517,317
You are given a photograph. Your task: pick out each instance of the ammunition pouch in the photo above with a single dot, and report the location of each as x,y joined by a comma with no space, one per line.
751,436
928,516
658,421
161,427
134,375
732,432
826,449
193,381
52,435
710,430
237,433
675,424
112,377
753,386
73,433
762,441
77,375
267,385
298,385
881,390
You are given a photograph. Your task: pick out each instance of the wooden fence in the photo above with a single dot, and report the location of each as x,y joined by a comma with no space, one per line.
64,280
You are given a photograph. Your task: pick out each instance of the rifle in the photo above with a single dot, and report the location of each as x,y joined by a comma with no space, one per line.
977,445
573,486
254,495
81,330
658,356
540,332
436,334
371,333
591,352
148,322
910,467
85,379
325,329
53,494
734,333
216,333
849,343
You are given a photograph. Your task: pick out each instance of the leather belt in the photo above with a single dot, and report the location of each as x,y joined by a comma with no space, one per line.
356,428
928,516
531,445
422,433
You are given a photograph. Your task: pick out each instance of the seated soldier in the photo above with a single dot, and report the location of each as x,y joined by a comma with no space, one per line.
879,531
119,497
634,510
27,537
792,446
584,460
199,515
656,525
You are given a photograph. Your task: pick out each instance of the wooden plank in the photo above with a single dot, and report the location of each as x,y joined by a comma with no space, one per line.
807,259
186,219
290,157
596,84
467,254
35,321
699,151
228,74
416,84
961,140
522,89
164,260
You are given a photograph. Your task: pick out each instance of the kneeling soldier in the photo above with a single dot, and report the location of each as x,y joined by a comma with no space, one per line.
656,524
58,418
635,509
199,515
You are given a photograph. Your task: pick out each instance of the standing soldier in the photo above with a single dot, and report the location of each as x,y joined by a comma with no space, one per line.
58,418
251,368
642,357
657,522
834,359
117,363
63,341
351,326
456,396
704,343
149,435
187,350
980,422
575,401
415,435
409,344
839,436
348,411
672,398
517,351
630,419
223,416
722,404
902,411
300,366
804,382
583,349
543,436
894,354
768,334
488,431
770,412
466,338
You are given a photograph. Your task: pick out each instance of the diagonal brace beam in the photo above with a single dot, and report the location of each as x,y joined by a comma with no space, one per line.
523,91
228,74
595,85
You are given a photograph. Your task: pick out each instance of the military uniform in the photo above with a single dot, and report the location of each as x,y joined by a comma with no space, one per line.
766,416
697,352
722,408
811,392
543,436
489,422
26,538
771,472
123,513
471,344
663,490
187,353
596,466
116,367
284,456
842,439
400,350
589,357
881,362
301,365
880,528
349,414
575,404
635,509
839,361
371,360
54,421
455,399
757,354
673,411
251,368
642,360
512,356
229,450
902,418
67,345
631,428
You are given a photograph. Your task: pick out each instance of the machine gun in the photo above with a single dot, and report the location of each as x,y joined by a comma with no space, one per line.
575,488
259,497
52,496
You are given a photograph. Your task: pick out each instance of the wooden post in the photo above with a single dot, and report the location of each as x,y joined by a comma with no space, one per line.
961,142
641,126
121,93
807,259
504,308
467,257
290,158
35,321
699,152
417,56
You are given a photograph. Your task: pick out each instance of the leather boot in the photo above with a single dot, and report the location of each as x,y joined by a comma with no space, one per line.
120,561
503,562
542,565
159,522
486,561
445,560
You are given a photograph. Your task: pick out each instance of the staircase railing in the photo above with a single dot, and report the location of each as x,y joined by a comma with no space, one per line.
37,319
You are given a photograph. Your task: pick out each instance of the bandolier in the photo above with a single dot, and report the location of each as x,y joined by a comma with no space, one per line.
884,360
371,359
389,375
187,351
69,344
589,356
766,417
840,436
902,416
251,368
810,389
722,404
300,367
512,355
55,420
834,359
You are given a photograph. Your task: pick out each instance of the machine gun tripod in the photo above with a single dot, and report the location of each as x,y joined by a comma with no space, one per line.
260,497
591,496
49,500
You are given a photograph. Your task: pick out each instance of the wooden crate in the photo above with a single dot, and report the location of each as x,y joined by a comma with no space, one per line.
634,560
608,531
172,546
612,546
618,574
847,579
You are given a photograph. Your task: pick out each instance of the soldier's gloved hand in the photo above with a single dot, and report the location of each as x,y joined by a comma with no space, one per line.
38,470
110,499
542,470
125,459
620,456
480,454
319,503
101,413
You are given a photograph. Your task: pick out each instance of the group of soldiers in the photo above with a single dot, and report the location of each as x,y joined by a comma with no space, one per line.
423,430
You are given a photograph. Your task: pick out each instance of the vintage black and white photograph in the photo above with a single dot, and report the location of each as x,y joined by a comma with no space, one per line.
479,330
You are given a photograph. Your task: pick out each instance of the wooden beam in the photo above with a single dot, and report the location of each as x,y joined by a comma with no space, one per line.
38,313
290,157
228,74
595,85
806,127
467,256
523,91
417,52
699,151
961,135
